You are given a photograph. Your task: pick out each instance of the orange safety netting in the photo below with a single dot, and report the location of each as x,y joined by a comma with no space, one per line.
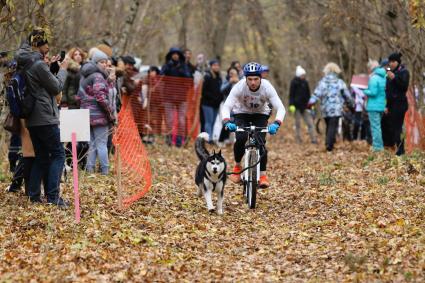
136,176
172,108
415,125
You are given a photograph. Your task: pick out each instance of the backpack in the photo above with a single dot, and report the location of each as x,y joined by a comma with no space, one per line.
20,104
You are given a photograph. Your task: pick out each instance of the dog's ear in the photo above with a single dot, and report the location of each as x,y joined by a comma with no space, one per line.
219,153
214,152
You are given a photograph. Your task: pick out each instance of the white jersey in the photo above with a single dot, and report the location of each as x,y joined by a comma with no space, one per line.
244,101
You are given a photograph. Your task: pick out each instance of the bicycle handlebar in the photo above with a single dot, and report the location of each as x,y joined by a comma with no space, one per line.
253,129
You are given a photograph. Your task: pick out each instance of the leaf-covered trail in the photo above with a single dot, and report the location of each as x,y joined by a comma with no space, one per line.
345,216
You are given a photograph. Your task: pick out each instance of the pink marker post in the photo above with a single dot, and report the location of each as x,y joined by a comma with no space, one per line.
75,174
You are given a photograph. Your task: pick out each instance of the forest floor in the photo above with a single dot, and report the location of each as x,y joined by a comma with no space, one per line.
341,217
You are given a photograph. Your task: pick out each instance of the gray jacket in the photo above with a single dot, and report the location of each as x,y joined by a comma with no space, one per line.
43,85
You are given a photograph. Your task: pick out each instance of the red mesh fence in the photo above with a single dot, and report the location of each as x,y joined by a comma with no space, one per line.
135,171
415,125
172,110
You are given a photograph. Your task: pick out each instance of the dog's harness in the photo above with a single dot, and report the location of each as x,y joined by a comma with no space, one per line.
208,177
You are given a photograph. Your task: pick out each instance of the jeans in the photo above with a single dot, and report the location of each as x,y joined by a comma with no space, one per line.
171,108
98,148
210,114
331,130
308,120
14,148
358,124
18,176
375,118
361,127
244,120
49,161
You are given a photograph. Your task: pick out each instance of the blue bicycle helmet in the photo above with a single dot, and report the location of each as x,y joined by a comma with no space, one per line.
265,68
252,69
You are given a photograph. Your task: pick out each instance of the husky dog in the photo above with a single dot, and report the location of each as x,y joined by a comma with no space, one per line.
210,173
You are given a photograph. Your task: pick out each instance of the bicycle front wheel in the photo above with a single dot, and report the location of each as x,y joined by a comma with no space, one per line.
252,182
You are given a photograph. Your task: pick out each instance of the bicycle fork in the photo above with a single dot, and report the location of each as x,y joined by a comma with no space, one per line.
246,163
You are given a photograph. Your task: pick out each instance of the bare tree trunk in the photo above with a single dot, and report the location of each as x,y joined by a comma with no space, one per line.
76,14
224,9
184,14
258,20
243,41
216,20
134,9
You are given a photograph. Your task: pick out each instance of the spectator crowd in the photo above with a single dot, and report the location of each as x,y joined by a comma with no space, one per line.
98,81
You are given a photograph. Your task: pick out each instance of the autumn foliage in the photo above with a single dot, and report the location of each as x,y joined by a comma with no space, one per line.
346,216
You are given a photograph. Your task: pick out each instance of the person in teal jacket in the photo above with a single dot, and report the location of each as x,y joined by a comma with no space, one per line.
376,100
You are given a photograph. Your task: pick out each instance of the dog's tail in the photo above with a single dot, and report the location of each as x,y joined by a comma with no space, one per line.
200,149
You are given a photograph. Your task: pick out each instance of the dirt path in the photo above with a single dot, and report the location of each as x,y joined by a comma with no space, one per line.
344,216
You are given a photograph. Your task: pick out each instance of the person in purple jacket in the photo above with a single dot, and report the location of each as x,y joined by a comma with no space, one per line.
93,95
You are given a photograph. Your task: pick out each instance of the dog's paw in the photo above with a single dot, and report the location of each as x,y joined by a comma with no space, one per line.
220,211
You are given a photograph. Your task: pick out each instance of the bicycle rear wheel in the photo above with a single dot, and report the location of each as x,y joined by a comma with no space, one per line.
252,182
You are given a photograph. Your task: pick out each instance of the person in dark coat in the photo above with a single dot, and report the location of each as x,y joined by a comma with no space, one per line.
188,57
43,121
397,85
176,80
72,82
299,95
211,96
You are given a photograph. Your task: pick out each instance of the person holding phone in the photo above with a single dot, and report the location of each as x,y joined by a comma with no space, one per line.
43,121
72,82
94,95
396,87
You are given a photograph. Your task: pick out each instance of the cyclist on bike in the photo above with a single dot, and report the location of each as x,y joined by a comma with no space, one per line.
249,101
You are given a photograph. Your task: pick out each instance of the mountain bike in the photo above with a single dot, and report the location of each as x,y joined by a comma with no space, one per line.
250,175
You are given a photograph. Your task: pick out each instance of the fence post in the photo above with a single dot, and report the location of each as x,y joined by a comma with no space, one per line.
119,171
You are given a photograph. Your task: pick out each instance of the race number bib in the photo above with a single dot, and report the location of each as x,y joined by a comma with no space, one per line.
252,102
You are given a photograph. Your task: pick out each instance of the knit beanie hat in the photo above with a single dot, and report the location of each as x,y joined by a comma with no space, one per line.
214,61
299,71
37,37
396,56
105,49
128,60
98,56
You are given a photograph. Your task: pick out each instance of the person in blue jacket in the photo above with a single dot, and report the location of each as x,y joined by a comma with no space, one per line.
376,100
332,93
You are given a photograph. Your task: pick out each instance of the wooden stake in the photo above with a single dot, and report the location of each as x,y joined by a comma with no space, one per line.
119,185
75,177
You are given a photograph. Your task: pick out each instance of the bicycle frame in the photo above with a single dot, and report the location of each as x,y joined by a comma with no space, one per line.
250,147
249,178
248,152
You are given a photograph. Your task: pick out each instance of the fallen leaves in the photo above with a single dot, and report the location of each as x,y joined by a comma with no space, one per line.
346,216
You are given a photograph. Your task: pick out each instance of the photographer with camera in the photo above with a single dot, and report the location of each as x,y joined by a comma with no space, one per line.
42,120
